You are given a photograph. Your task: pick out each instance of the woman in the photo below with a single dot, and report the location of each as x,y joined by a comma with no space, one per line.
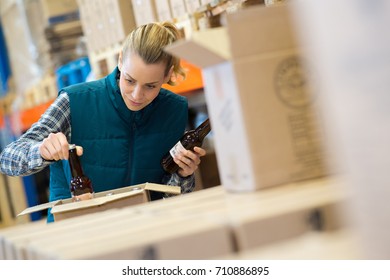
123,124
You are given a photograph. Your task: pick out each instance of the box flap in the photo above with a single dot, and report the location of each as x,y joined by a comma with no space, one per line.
40,207
101,198
260,29
205,48
97,201
163,188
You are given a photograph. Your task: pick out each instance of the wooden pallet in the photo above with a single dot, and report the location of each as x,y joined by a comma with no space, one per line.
42,92
33,103
104,61
6,103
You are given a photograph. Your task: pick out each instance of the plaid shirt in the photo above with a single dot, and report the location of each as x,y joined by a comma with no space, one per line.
22,157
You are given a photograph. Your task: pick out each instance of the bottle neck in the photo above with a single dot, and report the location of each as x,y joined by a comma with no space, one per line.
203,129
74,163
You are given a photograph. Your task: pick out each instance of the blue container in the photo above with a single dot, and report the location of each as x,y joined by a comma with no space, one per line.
5,70
30,189
73,72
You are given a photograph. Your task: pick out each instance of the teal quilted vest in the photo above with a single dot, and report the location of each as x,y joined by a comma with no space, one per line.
121,147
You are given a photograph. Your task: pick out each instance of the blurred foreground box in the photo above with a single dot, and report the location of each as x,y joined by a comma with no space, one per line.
208,224
116,198
260,106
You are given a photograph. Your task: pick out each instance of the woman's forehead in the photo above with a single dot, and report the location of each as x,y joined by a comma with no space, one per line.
134,66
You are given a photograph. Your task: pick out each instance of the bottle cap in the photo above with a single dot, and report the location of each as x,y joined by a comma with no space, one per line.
72,146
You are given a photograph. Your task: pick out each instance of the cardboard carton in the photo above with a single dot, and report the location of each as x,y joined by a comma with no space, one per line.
260,106
201,225
163,9
116,198
60,11
144,11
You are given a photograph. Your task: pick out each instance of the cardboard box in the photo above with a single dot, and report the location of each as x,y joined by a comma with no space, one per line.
200,225
178,8
349,55
149,237
120,17
208,171
261,110
116,198
18,35
163,9
87,23
144,11
12,200
56,11
192,5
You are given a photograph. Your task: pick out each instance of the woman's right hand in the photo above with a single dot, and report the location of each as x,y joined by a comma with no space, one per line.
56,147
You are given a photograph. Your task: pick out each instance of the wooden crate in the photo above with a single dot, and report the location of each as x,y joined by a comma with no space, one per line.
105,60
43,91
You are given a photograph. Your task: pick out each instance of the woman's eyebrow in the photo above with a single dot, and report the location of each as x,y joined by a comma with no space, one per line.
130,77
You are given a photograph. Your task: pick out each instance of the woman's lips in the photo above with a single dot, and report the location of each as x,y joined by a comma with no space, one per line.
132,102
135,103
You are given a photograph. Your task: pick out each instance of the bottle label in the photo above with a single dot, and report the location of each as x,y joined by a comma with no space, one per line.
177,149
84,196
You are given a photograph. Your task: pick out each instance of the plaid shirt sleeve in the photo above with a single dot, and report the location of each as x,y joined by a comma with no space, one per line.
187,184
22,157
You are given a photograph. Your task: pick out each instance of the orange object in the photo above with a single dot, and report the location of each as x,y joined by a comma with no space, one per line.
193,80
29,116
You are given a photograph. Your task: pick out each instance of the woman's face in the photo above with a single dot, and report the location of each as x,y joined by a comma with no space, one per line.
140,83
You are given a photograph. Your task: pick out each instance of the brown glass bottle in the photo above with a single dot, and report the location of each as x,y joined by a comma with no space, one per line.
80,185
190,139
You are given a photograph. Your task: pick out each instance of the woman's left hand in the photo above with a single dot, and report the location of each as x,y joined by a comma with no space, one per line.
189,161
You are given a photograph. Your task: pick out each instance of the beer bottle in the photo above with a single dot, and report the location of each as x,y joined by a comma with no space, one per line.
80,185
190,139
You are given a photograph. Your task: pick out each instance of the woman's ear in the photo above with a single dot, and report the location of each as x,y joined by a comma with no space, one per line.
120,61
169,75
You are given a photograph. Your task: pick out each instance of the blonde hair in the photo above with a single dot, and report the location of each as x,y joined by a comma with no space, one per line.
148,41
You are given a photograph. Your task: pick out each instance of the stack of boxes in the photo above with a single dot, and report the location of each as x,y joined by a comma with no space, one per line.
268,143
211,224
40,35
261,109
105,24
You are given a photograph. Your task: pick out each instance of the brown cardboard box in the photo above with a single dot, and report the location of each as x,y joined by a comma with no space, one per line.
165,231
55,11
12,200
87,23
117,198
286,212
178,8
201,225
163,9
147,237
144,11
121,20
16,241
208,171
261,110
26,70
7,251
192,5
341,244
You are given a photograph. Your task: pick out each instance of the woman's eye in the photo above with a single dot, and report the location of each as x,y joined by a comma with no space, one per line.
130,81
151,87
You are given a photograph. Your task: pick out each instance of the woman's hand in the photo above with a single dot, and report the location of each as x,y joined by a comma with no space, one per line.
56,147
188,161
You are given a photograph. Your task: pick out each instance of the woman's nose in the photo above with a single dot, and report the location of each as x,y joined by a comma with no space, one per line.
137,92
